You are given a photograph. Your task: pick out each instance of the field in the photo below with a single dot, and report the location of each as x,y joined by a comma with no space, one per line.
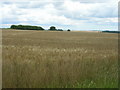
48,59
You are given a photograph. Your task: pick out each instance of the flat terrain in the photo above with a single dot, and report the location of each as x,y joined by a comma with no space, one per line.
35,59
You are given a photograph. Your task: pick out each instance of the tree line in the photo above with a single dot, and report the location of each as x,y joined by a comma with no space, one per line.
28,27
111,31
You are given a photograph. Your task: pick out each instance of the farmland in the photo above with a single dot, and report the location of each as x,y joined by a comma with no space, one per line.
50,59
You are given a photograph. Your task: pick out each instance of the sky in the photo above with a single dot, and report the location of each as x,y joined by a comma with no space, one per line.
63,14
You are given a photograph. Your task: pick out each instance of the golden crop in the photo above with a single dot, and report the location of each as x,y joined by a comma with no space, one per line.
49,59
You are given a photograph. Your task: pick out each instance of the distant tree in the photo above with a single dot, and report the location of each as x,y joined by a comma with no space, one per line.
59,30
13,26
52,28
26,27
20,27
68,30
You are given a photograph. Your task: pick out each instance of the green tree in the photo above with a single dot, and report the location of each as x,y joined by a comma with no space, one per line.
13,26
68,30
52,28
26,27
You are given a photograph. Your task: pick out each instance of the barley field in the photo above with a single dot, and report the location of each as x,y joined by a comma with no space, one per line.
50,59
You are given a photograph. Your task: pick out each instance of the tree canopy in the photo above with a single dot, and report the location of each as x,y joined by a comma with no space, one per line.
68,30
26,27
52,28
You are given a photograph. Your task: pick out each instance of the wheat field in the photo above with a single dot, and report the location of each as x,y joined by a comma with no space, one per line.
48,59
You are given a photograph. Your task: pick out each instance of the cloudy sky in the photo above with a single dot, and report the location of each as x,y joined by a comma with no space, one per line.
64,14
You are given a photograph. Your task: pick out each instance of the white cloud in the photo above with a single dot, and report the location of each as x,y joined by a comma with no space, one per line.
73,13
